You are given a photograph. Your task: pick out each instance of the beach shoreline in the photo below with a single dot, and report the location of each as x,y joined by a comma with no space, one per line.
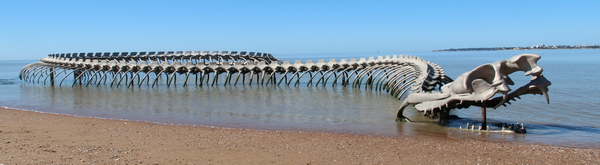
30,137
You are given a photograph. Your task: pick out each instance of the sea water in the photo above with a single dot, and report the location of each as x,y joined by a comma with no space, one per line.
571,119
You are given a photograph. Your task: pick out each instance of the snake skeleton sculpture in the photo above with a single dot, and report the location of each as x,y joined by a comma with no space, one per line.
427,86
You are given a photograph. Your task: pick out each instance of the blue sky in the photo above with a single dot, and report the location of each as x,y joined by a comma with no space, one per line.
33,29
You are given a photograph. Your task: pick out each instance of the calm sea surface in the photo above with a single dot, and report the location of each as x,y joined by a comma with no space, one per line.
571,119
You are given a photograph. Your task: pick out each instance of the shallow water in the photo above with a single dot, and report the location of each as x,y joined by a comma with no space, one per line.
571,119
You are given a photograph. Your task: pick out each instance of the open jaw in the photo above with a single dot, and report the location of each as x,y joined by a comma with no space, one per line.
537,85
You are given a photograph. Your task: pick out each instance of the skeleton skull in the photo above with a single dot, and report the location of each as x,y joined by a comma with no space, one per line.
481,84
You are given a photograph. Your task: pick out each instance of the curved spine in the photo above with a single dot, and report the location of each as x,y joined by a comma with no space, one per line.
394,74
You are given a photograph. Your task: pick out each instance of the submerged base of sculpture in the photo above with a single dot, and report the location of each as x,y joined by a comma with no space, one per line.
504,127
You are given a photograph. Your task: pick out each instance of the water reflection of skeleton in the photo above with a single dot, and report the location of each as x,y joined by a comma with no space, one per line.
478,86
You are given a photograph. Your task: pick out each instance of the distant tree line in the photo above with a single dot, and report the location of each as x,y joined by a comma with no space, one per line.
535,47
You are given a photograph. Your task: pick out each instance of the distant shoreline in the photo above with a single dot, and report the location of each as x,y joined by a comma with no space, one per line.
535,47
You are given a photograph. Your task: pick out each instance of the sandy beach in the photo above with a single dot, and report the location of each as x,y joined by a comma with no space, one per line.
39,138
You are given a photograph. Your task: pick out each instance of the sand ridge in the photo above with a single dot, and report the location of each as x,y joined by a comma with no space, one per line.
29,137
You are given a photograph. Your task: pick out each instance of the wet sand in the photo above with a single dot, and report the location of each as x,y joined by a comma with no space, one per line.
39,138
